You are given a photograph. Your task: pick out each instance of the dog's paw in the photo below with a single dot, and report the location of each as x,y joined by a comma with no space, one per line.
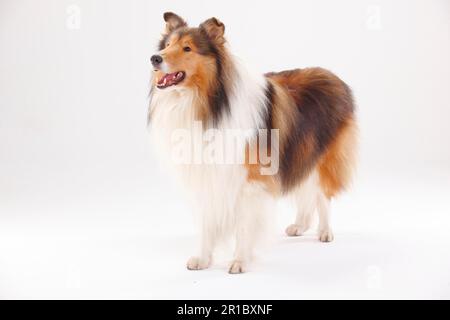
326,235
237,267
295,230
196,263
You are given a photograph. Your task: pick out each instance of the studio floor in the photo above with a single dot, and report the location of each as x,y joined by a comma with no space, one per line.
391,241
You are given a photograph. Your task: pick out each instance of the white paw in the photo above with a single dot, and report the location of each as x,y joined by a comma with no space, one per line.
236,267
326,235
195,263
295,230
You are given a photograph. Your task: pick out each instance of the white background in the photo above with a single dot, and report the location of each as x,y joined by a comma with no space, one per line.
86,212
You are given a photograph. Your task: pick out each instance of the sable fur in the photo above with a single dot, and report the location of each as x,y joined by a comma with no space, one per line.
320,105
312,109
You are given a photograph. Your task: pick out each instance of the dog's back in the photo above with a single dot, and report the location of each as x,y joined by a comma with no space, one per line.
314,112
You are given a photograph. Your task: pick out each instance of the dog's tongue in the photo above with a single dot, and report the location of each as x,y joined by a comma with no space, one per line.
169,79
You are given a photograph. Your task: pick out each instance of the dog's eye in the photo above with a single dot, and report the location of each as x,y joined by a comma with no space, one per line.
187,49
168,44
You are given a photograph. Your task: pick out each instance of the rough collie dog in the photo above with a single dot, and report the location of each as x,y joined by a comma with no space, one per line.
296,133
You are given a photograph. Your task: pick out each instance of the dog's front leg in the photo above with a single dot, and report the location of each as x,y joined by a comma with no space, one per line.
207,243
251,223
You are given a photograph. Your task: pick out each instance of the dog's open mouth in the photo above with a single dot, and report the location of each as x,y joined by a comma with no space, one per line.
170,79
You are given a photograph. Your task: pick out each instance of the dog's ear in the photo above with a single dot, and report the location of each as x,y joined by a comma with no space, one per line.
214,29
173,22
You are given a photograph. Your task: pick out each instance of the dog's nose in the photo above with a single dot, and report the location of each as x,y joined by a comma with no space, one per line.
156,59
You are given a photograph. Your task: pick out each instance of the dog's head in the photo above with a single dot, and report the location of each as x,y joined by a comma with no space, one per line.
188,57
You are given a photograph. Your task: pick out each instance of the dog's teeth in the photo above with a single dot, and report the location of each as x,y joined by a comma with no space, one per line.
164,82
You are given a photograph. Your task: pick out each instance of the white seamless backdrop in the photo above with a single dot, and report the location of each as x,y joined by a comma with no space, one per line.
87,212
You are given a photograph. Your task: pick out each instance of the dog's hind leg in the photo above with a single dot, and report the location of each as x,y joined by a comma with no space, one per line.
323,207
305,198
